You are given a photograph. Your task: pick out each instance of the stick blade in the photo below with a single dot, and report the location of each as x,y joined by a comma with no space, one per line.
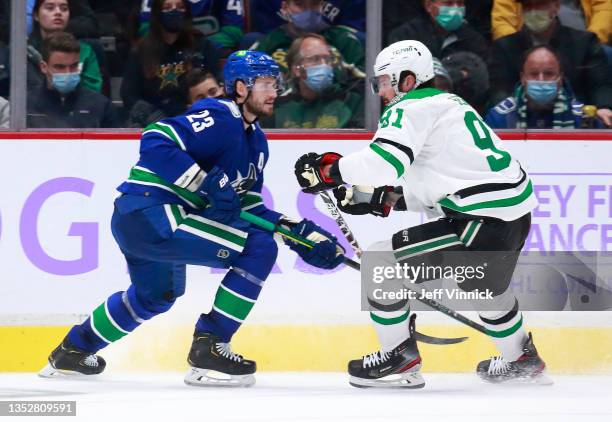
424,338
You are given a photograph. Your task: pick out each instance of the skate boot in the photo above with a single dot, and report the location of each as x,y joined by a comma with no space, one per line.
398,368
214,364
68,360
528,368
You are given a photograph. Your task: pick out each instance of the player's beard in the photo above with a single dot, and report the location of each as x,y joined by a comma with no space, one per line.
259,108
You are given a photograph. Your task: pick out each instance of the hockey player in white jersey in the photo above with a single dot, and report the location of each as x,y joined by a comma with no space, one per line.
434,149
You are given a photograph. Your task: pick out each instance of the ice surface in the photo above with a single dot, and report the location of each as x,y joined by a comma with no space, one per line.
317,397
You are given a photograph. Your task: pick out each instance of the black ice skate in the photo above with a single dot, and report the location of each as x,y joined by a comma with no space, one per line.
529,368
214,364
398,368
68,360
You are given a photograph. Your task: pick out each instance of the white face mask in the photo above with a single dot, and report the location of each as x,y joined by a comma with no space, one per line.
537,20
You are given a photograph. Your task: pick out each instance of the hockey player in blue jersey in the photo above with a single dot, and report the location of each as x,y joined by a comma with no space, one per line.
181,205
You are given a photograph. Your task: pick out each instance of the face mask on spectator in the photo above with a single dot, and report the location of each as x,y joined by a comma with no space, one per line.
450,17
173,20
542,92
537,20
308,20
65,82
319,77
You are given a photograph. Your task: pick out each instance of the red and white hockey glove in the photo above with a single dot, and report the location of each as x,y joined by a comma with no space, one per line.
318,172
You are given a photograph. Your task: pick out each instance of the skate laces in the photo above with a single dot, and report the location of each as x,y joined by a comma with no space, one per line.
498,365
91,360
225,350
375,358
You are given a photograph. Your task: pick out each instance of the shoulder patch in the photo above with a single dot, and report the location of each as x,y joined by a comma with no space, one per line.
232,107
506,106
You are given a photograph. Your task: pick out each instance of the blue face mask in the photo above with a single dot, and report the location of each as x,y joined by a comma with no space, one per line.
308,20
542,92
173,20
450,17
65,82
319,77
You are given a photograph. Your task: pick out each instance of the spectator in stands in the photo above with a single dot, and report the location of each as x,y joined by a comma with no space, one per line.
442,79
5,113
443,30
151,84
397,12
590,15
82,22
221,20
303,17
542,100
470,78
199,84
62,101
4,70
583,61
266,16
314,100
5,21
52,16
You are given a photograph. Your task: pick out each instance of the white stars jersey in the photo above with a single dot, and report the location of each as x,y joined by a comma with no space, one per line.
444,156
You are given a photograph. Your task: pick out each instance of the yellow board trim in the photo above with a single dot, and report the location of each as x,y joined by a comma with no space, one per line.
567,350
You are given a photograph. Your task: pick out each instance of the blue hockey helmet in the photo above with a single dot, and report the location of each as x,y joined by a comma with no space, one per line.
248,65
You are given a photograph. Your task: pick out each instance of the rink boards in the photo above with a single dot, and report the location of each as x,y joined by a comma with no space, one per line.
59,260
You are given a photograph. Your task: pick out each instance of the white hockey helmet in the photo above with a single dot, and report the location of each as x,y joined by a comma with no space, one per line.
410,55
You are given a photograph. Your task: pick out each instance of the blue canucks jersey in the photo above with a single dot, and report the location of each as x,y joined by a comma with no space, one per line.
175,154
208,15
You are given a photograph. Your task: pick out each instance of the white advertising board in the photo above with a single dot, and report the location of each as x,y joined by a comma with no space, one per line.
57,254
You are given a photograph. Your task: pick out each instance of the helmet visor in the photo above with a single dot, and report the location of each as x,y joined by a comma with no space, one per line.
378,83
268,84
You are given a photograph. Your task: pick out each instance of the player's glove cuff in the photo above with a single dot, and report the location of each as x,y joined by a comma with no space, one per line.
358,201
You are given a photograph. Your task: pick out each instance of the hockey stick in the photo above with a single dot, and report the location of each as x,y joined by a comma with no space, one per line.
344,228
267,225
346,231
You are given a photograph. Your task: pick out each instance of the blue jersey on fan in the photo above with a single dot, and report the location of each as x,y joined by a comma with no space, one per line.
208,16
211,133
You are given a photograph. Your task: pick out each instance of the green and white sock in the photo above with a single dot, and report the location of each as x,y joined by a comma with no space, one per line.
506,330
391,327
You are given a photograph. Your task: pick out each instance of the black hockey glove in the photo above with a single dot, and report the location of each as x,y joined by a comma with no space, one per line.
355,201
316,173
361,200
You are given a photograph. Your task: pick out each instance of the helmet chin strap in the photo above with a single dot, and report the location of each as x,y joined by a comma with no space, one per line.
241,107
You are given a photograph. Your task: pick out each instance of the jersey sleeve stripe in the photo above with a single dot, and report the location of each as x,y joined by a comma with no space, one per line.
389,158
406,150
167,131
138,175
191,179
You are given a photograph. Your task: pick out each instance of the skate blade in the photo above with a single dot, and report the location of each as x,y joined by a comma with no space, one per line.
50,372
410,380
208,378
541,379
